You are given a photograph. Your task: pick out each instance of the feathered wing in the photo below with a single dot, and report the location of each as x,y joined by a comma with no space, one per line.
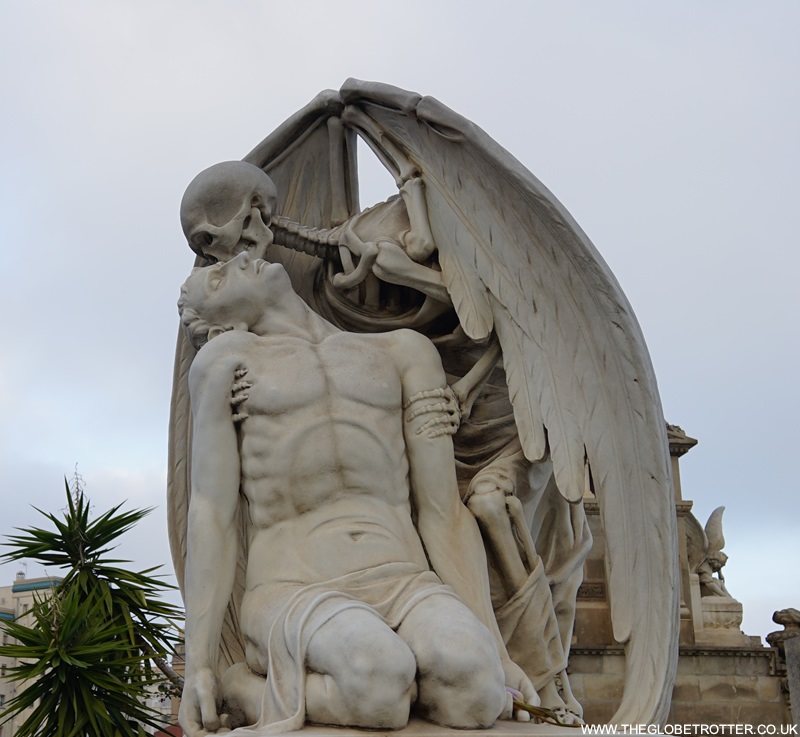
696,543
311,158
713,530
578,371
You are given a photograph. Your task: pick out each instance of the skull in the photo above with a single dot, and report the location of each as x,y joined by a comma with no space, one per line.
227,209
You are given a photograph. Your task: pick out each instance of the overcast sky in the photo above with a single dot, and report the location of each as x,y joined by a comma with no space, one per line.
669,130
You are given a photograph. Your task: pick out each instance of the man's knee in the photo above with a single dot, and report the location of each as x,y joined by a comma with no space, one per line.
389,663
375,683
372,667
462,659
461,677
465,694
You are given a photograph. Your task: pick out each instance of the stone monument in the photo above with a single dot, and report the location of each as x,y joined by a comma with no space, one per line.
384,423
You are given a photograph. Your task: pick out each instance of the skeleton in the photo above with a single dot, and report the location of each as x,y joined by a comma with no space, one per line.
350,266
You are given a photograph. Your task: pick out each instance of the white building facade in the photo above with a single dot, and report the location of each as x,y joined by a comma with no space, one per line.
16,601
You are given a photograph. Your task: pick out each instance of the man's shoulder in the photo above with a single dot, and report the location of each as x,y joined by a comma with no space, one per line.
221,353
402,340
410,340
409,349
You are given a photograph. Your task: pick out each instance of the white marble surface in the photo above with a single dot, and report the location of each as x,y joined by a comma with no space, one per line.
542,338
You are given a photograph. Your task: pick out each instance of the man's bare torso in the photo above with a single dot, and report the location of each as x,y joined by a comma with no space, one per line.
323,461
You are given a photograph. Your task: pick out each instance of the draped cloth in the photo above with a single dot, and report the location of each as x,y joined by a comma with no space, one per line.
389,591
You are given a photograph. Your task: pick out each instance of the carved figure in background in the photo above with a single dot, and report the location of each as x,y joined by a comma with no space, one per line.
339,437
477,255
705,553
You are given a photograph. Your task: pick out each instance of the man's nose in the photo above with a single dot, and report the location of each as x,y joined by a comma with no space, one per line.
243,260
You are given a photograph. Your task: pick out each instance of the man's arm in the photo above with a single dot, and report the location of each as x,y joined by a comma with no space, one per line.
446,527
212,543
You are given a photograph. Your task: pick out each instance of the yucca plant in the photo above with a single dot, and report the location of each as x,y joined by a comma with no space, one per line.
85,659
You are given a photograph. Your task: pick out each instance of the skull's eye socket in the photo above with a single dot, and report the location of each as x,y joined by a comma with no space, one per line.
202,241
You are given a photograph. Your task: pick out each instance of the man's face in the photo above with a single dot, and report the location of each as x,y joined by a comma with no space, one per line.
237,293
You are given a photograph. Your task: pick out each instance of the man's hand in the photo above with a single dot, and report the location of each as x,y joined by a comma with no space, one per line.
518,681
198,713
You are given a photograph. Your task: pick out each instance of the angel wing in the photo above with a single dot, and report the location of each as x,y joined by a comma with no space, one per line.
713,530
310,158
579,374
696,543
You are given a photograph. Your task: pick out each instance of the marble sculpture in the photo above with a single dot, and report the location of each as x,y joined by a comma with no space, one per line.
383,425
704,548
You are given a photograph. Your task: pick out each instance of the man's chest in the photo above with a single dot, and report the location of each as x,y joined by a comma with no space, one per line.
290,374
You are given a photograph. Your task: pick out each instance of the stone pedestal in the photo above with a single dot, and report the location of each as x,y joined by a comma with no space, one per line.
420,728
722,619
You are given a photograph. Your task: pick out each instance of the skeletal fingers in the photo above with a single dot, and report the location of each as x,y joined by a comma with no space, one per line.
446,417
445,393
239,394
425,409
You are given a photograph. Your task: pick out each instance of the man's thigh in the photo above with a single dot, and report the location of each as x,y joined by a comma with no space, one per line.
448,640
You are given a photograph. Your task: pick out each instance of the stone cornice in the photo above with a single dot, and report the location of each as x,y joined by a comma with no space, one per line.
679,442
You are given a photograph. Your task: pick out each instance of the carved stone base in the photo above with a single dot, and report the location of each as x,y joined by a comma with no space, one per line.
722,619
715,685
420,728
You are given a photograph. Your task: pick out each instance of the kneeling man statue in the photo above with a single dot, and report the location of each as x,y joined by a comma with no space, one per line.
366,594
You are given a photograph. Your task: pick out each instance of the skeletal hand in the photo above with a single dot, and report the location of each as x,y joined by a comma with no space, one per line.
442,404
239,395
392,263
